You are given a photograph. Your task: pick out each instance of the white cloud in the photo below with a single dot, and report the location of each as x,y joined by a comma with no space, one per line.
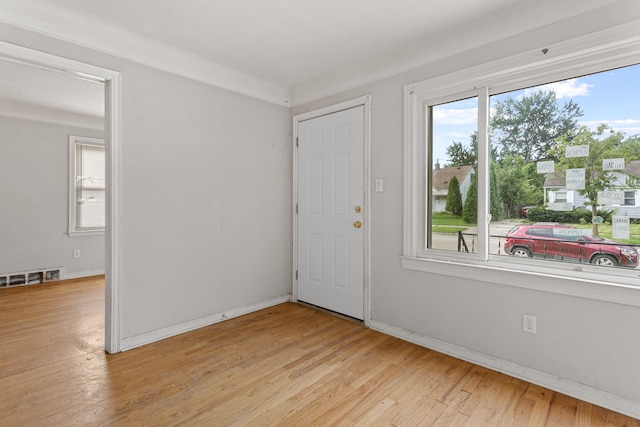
564,89
455,116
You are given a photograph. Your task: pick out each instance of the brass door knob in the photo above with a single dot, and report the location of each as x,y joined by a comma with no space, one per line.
357,224
358,209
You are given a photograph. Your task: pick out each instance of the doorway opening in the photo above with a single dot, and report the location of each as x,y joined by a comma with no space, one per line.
111,81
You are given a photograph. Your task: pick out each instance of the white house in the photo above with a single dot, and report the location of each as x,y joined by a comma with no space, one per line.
440,184
556,193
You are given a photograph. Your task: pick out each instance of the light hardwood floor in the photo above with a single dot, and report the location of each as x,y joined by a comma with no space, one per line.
288,365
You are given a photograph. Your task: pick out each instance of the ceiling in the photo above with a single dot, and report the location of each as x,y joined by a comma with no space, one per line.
273,50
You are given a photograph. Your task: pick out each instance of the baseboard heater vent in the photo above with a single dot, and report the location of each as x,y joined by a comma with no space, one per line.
31,277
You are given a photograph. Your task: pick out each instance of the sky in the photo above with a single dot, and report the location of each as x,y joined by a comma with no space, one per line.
611,97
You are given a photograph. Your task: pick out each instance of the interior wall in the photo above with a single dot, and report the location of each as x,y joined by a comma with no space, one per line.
206,193
34,170
584,341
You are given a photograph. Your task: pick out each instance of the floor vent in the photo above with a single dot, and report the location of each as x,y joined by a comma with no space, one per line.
31,277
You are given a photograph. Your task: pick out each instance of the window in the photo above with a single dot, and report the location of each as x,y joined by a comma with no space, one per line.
86,186
630,198
454,189
559,141
559,197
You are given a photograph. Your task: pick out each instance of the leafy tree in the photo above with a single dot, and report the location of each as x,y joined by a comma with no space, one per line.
454,198
494,194
600,147
460,155
528,126
470,209
515,185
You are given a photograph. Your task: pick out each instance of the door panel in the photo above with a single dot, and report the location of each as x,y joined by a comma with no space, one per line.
330,189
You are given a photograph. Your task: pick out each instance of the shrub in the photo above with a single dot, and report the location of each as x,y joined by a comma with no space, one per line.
576,216
454,198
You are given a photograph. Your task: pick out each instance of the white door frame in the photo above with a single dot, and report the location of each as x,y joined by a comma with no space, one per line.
113,140
362,101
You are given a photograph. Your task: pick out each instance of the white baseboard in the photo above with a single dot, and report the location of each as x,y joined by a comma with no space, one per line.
79,274
157,335
583,392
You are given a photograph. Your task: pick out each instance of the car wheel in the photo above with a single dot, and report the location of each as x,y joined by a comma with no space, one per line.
521,252
602,259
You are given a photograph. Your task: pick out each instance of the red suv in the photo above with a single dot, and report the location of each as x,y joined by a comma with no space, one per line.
565,243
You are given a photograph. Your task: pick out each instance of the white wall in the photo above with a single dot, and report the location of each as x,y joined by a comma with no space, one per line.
34,172
580,342
206,199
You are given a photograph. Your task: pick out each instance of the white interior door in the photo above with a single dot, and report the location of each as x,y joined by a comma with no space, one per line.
330,212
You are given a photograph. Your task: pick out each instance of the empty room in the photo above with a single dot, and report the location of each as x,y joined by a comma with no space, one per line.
320,213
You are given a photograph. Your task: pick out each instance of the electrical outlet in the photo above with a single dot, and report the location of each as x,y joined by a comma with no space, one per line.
529,323
76,253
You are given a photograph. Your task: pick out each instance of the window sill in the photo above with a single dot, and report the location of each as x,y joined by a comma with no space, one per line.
85,233
576,283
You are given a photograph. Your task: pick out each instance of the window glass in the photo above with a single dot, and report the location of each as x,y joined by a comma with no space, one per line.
453,199
88,185
567,154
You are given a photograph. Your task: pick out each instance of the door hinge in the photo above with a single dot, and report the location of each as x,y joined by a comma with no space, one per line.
296,274
296,208
297,141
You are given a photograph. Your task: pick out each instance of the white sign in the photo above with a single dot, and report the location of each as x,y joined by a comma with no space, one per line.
577,151
610,197
569,232
620,226
546,167
575,179
560,207
612,164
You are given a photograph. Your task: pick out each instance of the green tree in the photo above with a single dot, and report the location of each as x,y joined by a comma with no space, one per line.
454,198
470,209
494,194
515,185
529,126
460,155
600,147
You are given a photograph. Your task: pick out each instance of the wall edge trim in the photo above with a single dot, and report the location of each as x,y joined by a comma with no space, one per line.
129,343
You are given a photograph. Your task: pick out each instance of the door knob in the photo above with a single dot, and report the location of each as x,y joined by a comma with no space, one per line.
358,209
357,224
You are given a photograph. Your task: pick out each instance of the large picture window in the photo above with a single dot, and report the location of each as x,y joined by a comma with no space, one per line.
86,185
532,170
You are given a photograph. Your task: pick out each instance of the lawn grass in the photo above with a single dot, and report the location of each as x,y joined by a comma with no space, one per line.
443,218
447,229
442,222
606,232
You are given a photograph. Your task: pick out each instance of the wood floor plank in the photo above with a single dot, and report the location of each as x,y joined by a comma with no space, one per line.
288,365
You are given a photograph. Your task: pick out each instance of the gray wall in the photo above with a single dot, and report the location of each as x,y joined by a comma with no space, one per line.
34,172
206,199
582,340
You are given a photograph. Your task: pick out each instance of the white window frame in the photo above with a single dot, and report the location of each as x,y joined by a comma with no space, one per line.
561,196
635,198
73,231
598,52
